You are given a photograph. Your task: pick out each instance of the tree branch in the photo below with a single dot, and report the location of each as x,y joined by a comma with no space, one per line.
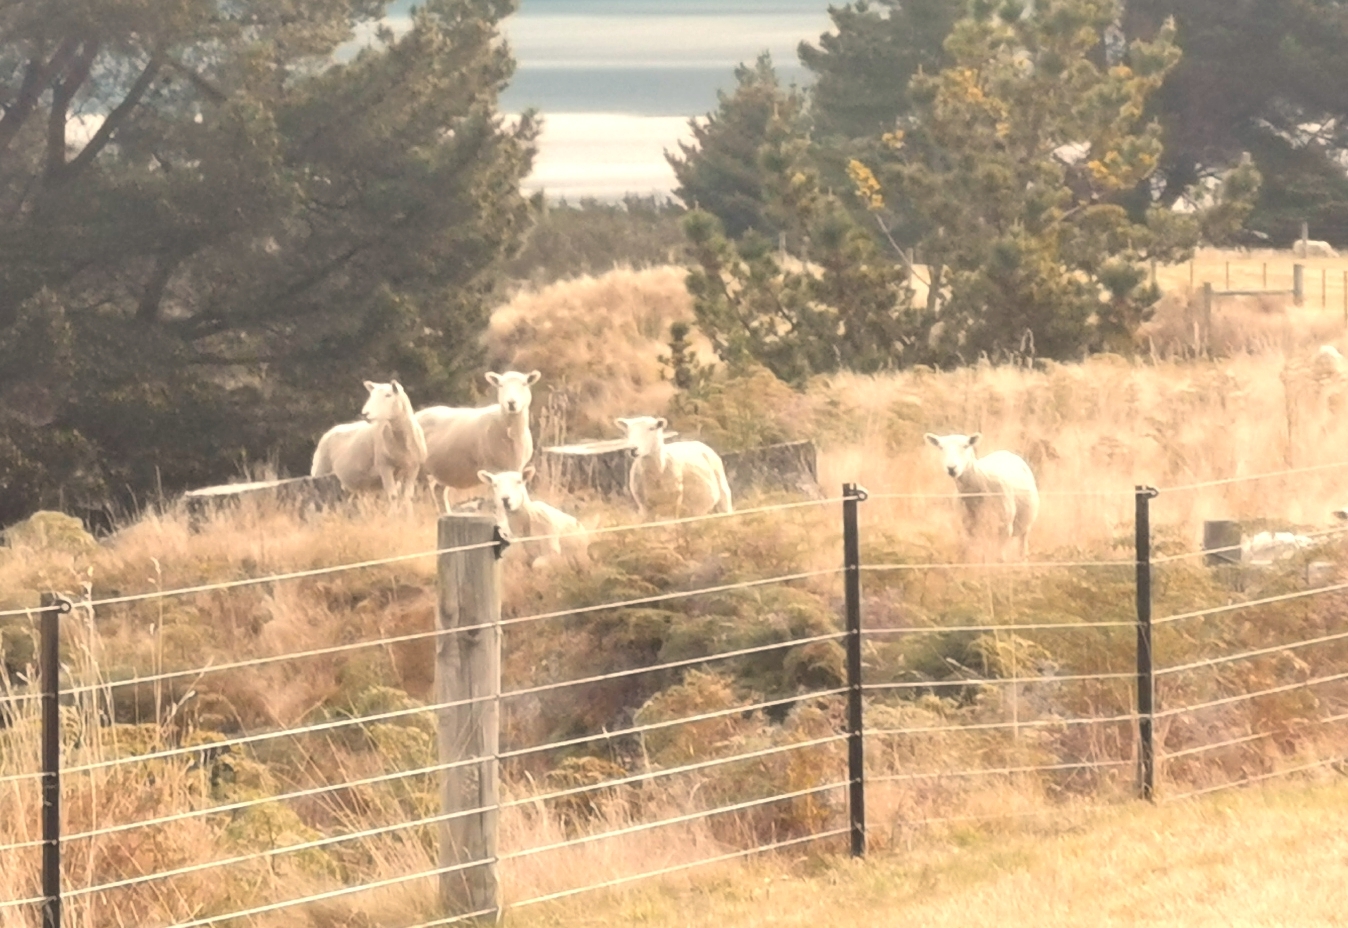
61,95
36,77
113,120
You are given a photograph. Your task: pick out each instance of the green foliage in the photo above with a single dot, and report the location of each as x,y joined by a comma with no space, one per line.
721,172
1021,160
1235,200
835,304
255,227
592,237
1252,77
862,67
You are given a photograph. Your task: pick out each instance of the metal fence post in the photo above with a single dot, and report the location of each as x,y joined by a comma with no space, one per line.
1146,682
468,667
856,755
49,674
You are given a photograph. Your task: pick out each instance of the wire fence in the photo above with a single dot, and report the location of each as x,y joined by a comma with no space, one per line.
927,714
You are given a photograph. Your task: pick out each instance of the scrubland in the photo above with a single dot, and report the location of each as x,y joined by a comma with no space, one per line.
1200,429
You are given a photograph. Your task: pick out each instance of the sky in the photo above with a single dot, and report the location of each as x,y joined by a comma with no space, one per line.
617,80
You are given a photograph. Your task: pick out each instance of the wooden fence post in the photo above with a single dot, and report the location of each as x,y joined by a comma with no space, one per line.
468,667
1205,334
1298,284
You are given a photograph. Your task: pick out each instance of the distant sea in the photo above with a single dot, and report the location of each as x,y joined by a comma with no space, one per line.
617,80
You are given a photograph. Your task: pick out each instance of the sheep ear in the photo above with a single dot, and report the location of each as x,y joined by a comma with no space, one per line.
485,476
532,378
396,386
493,378
370,385
973,439
622,423
528,473
661,423
932,440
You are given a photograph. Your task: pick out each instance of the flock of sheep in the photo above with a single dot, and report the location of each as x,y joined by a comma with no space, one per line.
464,448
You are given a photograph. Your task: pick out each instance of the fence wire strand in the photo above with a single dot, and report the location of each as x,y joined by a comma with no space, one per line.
676,820
676,868
1246,739
1259,778
1231,549
1234,607
1001,681
1012,627
998,771
1242,697
1000,726
1248,655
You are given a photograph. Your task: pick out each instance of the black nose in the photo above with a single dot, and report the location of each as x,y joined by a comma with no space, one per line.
950,471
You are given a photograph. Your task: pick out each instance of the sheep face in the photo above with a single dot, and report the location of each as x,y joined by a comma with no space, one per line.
512,390
646,434
384,403
508,487
957,451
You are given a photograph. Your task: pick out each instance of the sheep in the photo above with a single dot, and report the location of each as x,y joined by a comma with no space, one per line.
388,449
1328,363
1312,248
522,517
460,442
686,477
1001,479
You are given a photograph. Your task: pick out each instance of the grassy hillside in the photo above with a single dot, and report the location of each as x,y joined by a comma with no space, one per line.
1091,432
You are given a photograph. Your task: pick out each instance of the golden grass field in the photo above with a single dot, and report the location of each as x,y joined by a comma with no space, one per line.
1087,854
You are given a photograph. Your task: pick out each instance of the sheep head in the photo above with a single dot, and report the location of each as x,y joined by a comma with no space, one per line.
957,451
512,389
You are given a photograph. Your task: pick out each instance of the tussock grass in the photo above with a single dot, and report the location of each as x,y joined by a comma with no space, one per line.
1090,431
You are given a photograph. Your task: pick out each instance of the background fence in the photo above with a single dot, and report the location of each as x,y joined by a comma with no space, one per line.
933,718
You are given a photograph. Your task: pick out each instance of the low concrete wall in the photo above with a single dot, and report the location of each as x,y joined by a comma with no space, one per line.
602,467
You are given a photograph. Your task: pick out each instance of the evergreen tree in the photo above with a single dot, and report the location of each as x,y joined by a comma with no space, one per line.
863,66
819,299
720,171
1023,158
213,229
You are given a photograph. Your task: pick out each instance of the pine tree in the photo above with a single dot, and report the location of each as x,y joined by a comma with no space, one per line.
216,222
720,171
1023,159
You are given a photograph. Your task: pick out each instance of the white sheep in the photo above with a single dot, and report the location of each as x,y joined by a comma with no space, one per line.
999,486
1328,363
522,517
1312,248
386,450
684,477
462,441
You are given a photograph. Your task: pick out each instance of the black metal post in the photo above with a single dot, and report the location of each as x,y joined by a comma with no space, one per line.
856,757
49,671
1146,682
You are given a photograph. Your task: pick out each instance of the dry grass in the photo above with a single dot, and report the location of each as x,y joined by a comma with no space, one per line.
1091,431
1274,857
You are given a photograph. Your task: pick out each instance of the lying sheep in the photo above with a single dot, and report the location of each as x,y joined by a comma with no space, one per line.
387,449
462,441
684,477
999,487
522,517
1313,249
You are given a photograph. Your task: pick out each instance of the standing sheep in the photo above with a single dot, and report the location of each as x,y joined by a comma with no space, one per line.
462,441
999,486
685,477
1312,248
522,517
387,449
